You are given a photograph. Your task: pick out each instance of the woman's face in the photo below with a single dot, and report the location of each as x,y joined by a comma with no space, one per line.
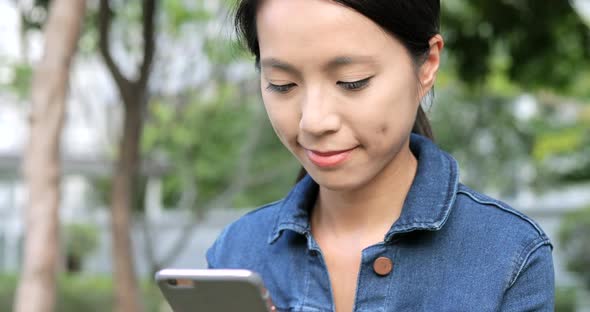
340,92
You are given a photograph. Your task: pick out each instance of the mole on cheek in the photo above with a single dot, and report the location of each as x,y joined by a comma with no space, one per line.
383,129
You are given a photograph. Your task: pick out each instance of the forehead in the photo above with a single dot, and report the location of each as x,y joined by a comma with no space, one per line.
315,30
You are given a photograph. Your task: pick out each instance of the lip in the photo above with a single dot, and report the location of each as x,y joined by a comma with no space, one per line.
328,159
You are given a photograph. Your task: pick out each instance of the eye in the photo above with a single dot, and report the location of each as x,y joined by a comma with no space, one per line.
354,85
280,88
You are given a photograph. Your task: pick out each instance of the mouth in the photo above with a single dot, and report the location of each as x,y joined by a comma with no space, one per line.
326,159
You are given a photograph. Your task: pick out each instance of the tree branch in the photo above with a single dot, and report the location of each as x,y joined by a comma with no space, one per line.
149,41
104,27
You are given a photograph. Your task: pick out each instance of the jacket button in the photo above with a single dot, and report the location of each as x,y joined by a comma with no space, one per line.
383,266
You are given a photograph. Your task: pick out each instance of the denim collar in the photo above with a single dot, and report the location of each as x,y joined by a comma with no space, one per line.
427,205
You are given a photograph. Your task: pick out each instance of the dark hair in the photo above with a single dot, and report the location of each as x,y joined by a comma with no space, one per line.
412,22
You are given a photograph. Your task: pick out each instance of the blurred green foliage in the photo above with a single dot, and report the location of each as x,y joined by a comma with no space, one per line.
34,18
179,13
574,237
20,84
80,239
564,153
84,293
208,139
202,139
496,53
565,299
489,142
223,51
100,197
273,171
545,42
562,141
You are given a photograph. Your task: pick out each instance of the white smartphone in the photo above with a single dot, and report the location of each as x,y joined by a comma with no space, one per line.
213,290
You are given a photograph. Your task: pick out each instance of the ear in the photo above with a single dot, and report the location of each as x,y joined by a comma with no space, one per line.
430,66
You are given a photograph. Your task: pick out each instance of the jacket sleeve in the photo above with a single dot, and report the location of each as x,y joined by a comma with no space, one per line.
210,257
214,253
533,287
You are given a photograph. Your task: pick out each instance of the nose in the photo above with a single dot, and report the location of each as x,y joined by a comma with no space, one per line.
318,114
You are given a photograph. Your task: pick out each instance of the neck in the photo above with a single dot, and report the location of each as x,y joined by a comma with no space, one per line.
370,210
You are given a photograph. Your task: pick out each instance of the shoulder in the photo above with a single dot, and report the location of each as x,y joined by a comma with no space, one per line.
492,212
500,228
257,221
244,236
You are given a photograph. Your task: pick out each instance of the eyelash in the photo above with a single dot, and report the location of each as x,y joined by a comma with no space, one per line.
350,86
280,88
355,85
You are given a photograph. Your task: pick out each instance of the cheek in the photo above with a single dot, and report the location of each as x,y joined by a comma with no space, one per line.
385,120
284,120
381,135
398,109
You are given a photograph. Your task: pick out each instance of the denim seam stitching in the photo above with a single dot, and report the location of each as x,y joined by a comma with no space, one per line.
452,188
502,207
304,229
264,206
525,255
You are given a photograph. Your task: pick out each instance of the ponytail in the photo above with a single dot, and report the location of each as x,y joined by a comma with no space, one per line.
422,125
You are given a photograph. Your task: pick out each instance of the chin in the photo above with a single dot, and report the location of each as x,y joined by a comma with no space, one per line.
336,181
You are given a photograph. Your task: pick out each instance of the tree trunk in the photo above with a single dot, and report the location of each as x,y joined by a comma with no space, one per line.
126,288
135,95
37,287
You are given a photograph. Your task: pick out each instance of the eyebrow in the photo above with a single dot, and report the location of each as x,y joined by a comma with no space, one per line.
349,60
333,64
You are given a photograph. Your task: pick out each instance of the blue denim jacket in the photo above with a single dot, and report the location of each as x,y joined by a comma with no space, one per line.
452,249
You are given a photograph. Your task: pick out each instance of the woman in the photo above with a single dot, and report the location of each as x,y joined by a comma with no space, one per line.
380,222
